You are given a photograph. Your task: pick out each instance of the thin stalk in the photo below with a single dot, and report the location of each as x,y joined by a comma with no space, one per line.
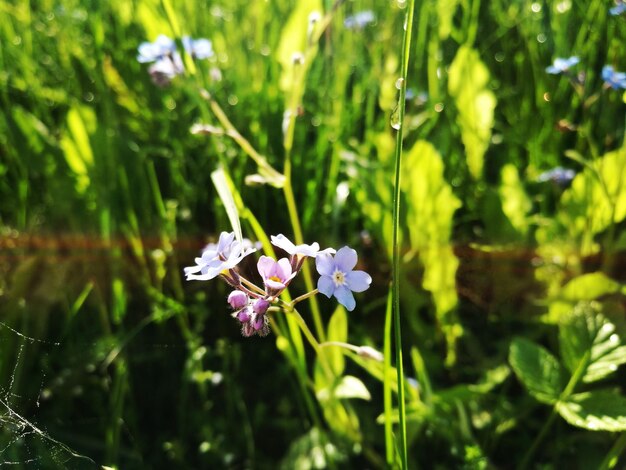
406,46
612,458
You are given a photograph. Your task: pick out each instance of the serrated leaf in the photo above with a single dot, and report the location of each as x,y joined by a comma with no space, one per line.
589,340
537,369
597,411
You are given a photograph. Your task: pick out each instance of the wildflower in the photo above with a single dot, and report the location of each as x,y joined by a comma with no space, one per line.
157,50
198,48
615,80
220,257
165,69
562,65
338,278
284,243
276,274
359,20
238,299
618,9
253,318
558,175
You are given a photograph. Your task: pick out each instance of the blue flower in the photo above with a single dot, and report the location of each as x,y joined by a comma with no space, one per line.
157,50
615,80
198,48
338,278
359,20
562,65
558,175
618,9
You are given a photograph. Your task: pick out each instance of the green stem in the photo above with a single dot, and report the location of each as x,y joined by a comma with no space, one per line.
612,458
406,46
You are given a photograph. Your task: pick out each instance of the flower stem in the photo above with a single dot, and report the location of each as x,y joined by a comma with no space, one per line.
406,47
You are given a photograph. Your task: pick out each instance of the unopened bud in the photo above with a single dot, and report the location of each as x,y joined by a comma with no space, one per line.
237,299
260,306
371,353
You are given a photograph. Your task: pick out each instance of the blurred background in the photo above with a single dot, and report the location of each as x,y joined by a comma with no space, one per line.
109,357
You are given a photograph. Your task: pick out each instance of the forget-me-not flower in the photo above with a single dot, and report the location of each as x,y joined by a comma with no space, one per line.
618,9
562,65
338,278
157,50
558,175
359,20
615,80
198,48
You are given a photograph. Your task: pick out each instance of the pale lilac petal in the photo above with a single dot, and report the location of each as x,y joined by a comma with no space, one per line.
266,266
275,285
326,286
326,251
283,242
226,239
358,281
283,269
345,259
344,297
193,269
325,264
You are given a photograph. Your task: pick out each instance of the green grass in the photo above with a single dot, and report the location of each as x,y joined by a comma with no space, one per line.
109,357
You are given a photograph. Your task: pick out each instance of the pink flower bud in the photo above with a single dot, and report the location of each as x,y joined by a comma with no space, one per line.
260,306
237,299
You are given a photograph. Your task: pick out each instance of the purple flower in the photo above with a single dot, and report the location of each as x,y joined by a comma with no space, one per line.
157,50
618,9
238,299
558,175
615,80
338,278
562,65
276,274
198,48
220,257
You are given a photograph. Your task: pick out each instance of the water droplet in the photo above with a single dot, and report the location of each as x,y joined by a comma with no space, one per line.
399,83
233,100
541,38
439,107
394,119
499,56
563,6
535,7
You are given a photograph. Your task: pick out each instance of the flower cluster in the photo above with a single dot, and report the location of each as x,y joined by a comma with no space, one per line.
612,78
250,302
165,58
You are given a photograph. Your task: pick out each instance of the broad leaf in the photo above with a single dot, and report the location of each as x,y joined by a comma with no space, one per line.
537,369
475,103
590,287
597,411
588,340
515,202
430,209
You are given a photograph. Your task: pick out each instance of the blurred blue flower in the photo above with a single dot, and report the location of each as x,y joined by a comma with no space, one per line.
198,48
558,175
562,65
615,80
359,20
157,50
338,278
618,9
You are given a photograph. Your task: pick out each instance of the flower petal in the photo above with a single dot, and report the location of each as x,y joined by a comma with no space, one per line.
325,264
266,266
345,259
283,269
326,286
358,281
344,297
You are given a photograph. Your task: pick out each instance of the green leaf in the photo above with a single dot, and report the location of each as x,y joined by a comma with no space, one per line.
467,83
537,369
431,205
597,411
337,331
223,190
515,202
590,287
589,340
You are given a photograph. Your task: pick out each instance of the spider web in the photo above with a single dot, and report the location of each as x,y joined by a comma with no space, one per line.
23,442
